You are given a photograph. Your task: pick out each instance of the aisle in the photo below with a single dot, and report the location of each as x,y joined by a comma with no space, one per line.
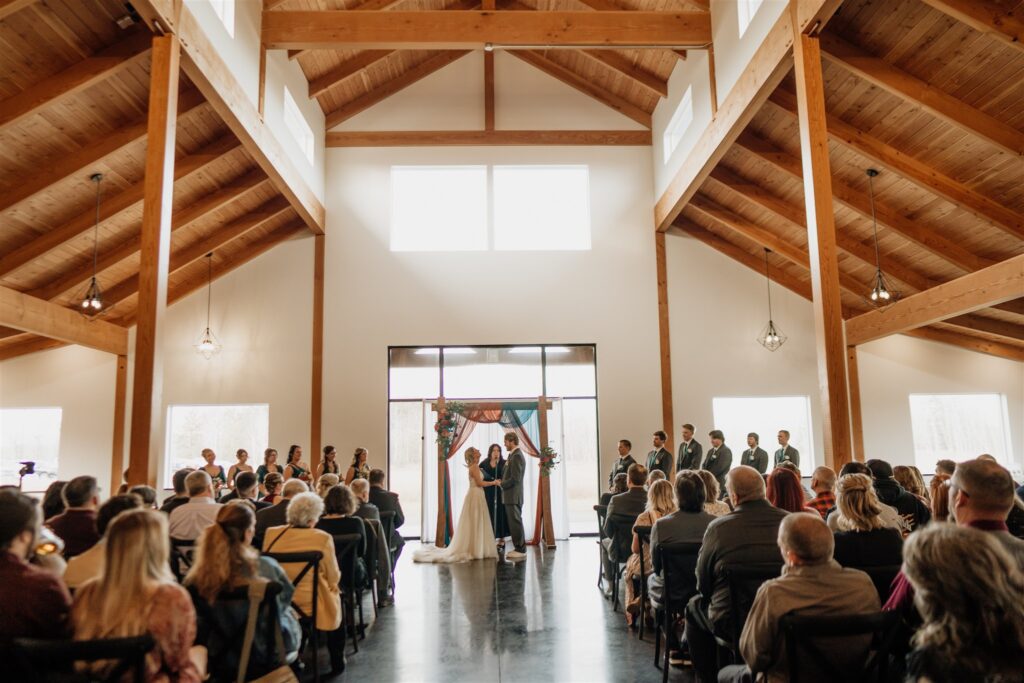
542,619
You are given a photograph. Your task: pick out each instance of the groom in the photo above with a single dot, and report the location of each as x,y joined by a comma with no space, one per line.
512,495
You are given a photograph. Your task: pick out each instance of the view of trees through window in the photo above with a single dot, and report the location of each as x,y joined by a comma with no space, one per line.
224,428
29,435
959,427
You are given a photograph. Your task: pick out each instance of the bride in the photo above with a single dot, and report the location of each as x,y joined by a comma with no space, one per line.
474,536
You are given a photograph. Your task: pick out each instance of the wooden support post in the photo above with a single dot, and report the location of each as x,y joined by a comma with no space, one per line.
547,524
317,383
147,387
120,399
856,415
712,80
823,252
442,465
667,411
488,77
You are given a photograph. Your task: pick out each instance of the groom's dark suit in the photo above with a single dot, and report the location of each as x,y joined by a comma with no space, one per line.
512,497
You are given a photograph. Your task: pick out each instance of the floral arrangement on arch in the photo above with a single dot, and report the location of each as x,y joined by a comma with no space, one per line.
445,427
548,460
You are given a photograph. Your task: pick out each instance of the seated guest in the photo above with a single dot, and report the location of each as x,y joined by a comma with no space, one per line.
712,505
300,536
914,513
277,514
660,502
246,488
823,483
180,496
861,540
747,535
784,490
188,521
939,494
812,584
89,565
906,478
325,482
273,484
889,516
225,559
973,616
76,526
656,475
622,464
365,509
630,503
137,594
808,491
387,501
945,468
338,518
33,601
618,486
53,500
147,494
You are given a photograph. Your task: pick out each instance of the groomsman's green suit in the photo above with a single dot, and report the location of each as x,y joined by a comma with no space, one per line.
787,454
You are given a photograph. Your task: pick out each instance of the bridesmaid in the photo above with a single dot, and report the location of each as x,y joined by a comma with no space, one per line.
359,469
216,472
492,467
295,468
242,457
269,465
329,465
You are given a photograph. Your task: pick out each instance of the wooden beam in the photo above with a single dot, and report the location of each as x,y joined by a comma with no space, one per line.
210,74
712,80
936,102
457,138
472,29
856,413
489,109
120,402
30,344
110,207
350,67
316,399
964,341
75,78
998,328
1016,306
382,92
667,409
986,17
29,314
993,285
9,7
369,5
572,79
642,77
923,175
82,162
823,251
155,247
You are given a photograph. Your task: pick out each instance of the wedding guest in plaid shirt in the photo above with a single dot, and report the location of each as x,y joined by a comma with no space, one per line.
823,483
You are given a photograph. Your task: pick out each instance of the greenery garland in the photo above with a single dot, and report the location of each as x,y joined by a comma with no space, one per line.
548,460
445,427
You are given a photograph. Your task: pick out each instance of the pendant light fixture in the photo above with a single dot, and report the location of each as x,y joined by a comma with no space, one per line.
770,337
92,301
207,345
882,293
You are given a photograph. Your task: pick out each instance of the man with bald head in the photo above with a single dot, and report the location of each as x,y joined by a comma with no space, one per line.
813,584
823,483
745,536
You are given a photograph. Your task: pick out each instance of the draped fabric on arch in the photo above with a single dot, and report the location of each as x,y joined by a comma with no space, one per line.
518,420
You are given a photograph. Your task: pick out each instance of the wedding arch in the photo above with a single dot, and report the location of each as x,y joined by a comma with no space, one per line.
457,420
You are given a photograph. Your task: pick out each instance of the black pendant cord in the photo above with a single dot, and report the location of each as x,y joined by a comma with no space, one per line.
209,287
874,220
768,283
96,231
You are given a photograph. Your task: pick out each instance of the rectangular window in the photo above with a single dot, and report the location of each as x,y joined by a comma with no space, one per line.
438,208
959,427
29,435
746,9
297,125
765,416
678,125
224,428
541,208
225,10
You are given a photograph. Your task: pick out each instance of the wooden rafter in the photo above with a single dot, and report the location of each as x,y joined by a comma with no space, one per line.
347,69
496,138
75,78
369,5
935,101
472,29
29,314
9,7
111,206
625,67
987,17
992,348
571,78
28,343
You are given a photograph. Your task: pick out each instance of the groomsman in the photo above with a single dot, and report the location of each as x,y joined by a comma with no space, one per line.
622,464
660,458
755,456
719,458
690,450
786,453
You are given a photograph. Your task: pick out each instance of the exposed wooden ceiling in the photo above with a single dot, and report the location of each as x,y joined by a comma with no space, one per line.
937,106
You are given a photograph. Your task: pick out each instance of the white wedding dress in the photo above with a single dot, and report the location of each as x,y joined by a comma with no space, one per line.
474,535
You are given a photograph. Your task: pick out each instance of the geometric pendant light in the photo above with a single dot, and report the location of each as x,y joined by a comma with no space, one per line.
207,345
882,293
770,337
92,301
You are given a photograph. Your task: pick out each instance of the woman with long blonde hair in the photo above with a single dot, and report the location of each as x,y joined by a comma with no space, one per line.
136,594
660,502
911,481
861,538
712,505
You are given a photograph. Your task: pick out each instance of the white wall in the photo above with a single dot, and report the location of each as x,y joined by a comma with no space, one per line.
732,51
690,74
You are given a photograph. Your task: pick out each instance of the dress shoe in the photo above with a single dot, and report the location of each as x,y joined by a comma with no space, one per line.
515,555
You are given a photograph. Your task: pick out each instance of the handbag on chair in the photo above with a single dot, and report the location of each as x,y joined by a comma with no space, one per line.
283,673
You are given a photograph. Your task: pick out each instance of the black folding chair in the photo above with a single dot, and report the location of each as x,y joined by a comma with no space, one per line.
621,549
803,634
644,534
602,512
54,660
220,627
182,555
882,576
744,582
310,562
678,563
387,520
346,547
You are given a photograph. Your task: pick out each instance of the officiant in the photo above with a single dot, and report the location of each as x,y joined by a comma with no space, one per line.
492,467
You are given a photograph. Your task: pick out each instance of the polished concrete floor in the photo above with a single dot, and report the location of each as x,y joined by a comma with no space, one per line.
540,619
